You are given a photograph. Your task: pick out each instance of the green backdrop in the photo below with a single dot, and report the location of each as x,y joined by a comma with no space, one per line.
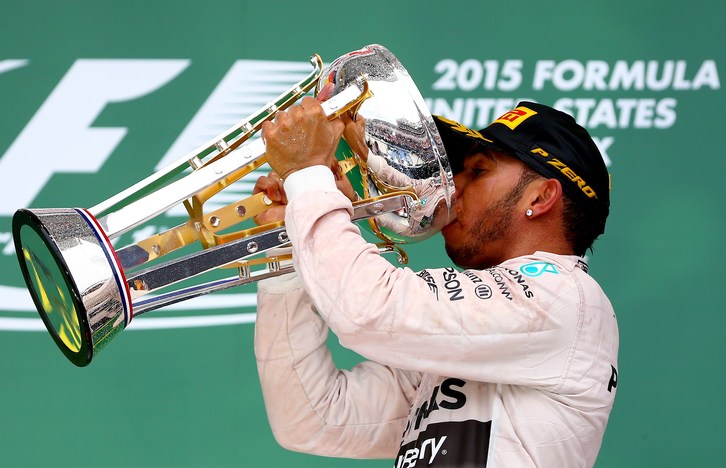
95,95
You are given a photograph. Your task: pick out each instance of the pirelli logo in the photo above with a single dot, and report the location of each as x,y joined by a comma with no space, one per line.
515,117
567,172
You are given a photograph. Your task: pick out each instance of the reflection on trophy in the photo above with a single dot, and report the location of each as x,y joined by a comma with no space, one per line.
86,291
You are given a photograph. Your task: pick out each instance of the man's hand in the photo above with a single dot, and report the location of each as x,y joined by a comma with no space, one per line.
301,137
271,185
354,134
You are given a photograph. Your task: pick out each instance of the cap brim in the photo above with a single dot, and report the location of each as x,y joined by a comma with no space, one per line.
459,140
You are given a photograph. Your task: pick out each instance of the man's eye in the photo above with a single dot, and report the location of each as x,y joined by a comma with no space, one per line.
478,170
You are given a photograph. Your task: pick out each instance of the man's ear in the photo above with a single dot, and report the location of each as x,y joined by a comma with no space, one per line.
545,195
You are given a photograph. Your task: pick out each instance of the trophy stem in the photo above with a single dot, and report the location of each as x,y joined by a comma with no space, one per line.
161,276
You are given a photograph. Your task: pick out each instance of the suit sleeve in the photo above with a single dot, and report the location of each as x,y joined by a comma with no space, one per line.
419,321
312,406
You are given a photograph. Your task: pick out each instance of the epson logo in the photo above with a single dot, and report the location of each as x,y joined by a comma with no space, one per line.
452,285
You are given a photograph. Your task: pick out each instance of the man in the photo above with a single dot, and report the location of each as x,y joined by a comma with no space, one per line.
510,363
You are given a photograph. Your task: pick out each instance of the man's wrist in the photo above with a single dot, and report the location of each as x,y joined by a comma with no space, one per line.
309,179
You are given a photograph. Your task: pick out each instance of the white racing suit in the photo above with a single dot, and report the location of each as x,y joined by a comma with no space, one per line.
512,366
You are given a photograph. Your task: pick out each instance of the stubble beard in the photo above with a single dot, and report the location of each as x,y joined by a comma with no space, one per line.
494,226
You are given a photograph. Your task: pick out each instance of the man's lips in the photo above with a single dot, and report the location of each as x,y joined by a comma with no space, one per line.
454,213
449,226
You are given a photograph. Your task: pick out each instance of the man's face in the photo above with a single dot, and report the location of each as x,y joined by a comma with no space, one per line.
488,195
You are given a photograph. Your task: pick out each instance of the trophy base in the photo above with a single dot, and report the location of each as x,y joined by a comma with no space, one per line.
74,278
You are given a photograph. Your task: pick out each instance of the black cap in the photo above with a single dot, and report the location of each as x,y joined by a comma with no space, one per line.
547,140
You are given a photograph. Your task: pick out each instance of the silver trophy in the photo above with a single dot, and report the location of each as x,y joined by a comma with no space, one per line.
86,291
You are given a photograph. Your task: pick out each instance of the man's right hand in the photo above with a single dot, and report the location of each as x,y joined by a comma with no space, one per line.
271,185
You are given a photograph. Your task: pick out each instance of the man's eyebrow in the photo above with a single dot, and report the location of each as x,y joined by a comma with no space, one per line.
489,153
484,151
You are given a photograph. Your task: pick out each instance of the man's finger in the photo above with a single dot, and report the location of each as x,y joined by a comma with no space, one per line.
338,127
310,103
281,116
